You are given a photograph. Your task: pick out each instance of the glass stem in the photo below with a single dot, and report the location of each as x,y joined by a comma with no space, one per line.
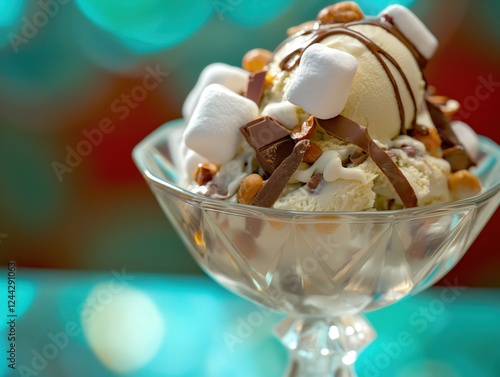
320,347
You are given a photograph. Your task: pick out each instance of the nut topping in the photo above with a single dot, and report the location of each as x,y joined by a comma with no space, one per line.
448,106
255,60
205,172
249,187
304,131
343,12
313,152
463,184
429,137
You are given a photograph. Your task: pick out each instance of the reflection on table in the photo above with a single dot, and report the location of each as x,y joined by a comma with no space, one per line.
120,323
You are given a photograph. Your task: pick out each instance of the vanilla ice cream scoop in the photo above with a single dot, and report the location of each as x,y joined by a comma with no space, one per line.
388,87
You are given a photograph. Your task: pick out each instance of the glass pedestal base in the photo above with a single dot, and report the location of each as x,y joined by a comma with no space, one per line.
320,347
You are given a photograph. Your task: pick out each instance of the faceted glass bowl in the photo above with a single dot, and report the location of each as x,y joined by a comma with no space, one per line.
321,268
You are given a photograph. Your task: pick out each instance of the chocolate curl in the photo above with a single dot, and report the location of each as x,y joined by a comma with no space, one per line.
453,151
351,132
274,186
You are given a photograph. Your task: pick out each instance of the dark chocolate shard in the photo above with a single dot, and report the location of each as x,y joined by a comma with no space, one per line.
270,140
351,132
274,186
255,86
453,151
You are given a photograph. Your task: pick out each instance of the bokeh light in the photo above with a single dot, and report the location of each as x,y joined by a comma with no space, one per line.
375,6
104,48
10,10
148,25
10,14
123,326
48,75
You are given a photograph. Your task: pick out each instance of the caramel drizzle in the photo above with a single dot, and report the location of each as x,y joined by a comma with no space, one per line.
290,61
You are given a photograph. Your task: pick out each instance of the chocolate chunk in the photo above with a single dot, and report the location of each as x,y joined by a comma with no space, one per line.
256,86
453,151
351,132
277,181
314,182
270,140
458,158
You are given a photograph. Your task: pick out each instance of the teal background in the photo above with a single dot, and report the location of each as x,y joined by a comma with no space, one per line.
209,332
65,66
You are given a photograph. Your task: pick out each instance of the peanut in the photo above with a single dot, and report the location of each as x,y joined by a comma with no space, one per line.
448,106
463,184
430,138
343,12
205,172
437,100
305,130
249,187
255,60
313,152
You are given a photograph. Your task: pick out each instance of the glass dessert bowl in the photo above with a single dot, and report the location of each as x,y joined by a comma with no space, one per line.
323,269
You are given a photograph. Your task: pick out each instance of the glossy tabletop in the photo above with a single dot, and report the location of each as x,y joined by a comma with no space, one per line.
121,323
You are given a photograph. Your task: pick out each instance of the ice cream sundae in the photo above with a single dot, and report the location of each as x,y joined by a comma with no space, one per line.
339,117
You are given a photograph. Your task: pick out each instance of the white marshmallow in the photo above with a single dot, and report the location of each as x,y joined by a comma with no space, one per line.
213,130
190,160
233,78
467,137
284,112
322,81
413,29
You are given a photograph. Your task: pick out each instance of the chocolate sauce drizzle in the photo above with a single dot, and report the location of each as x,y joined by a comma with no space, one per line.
320,32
